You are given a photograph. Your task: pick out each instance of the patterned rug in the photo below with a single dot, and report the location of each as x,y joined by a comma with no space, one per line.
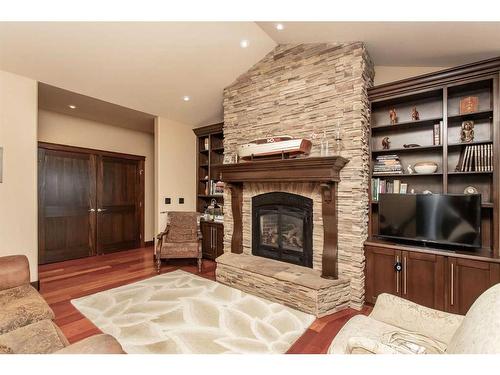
179,312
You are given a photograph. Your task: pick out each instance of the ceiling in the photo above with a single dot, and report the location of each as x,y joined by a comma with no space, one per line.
150,66
401,43
59,100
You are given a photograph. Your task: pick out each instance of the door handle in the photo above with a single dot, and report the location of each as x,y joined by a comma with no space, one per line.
101,209
452,282
92,210
397,267
405,271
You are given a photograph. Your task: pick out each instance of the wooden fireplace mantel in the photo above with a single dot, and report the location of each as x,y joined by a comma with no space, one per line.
312,169
323,170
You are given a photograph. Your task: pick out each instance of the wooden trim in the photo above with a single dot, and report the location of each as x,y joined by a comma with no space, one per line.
35,284
84,150
237,210
496,166
205,131
330,231
312,169
436,79
141,201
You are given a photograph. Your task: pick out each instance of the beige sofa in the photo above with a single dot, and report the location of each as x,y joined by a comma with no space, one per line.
26,325
398,326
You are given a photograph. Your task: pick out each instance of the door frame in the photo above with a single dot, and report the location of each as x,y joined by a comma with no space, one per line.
141,159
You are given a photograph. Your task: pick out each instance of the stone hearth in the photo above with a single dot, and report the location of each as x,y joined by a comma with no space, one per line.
299,287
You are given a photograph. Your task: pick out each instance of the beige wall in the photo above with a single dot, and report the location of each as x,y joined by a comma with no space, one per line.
175,166
58,128
18,191
385,74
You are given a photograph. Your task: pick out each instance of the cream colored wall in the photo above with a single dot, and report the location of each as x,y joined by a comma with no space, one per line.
385,74
175,165
18,191
59,128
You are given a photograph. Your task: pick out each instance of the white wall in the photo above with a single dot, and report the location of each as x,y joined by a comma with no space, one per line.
68,130
386,74
18,191
175,165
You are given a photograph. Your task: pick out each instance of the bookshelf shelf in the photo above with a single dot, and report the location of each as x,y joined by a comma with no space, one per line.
463,144
407,149
396,175
470,116
407,124
471,172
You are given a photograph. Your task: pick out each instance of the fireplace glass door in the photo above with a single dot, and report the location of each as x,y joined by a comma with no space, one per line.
282,228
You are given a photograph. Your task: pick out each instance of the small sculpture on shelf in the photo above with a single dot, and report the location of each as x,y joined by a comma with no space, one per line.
409,169
393,116
411,145
414,114
386,144
467,132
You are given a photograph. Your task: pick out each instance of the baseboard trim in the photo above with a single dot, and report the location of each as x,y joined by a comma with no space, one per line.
149,243
36,284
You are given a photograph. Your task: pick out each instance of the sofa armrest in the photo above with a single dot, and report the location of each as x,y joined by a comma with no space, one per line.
98,344
14,271
399,312
365,345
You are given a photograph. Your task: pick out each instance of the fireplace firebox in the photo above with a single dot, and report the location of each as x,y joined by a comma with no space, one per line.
282,227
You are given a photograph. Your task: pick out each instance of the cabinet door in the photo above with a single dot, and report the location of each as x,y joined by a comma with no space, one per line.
381,272
207,241
219,240
466,280
423,279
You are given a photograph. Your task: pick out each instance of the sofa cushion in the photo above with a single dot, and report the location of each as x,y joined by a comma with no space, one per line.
42,337
21,306
479,332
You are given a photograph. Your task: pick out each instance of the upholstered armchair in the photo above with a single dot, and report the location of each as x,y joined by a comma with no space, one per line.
398,326
180,239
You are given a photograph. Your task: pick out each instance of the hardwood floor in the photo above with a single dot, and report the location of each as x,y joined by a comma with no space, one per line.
64,281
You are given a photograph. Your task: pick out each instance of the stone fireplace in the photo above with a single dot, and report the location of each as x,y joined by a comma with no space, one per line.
303,91
282,227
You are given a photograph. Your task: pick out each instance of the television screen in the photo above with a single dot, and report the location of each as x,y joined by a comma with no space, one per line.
434,218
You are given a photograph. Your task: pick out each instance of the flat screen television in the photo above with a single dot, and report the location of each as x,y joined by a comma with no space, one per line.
445,219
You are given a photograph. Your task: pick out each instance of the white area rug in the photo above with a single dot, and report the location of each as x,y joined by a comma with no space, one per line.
179,312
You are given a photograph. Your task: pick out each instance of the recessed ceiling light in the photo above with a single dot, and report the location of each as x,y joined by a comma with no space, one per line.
244,43
279,26
186,98
72,106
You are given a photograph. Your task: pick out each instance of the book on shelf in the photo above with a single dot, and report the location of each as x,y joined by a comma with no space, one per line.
436,134
380,186
387,164
476,158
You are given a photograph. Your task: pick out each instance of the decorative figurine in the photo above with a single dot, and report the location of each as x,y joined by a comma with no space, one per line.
393,116
386,144
470,190
467,132
411,145
409,169
412,191
414,114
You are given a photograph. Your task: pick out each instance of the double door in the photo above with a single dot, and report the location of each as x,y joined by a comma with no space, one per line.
437,281
89,202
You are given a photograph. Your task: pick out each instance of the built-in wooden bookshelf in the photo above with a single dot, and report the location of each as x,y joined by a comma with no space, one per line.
437,99
210,154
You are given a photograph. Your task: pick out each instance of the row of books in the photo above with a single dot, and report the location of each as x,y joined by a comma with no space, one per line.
387,164
476,158
382,186
214,188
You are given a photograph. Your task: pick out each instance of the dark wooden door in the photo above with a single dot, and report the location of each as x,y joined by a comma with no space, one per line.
118,204
466,279
381,272
423,279
219,240
66,198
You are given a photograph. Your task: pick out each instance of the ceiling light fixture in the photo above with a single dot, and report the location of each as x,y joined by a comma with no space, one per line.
244,43
72,106
279,26
186,98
